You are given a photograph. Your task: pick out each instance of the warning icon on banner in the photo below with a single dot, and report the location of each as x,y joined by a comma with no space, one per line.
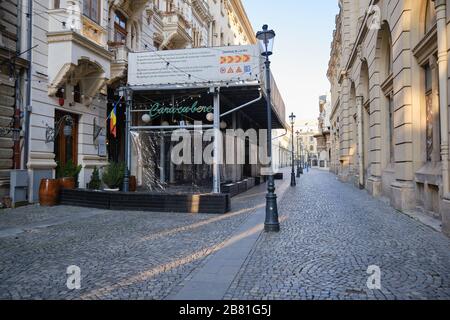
230,70
238,70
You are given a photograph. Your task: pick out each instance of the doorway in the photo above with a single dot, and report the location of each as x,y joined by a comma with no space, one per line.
66,147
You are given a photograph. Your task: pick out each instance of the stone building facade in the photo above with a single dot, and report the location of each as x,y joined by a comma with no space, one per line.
323,135
12,73
79,58
305,141
389,121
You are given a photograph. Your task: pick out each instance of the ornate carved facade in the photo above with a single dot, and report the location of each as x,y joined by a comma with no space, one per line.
12,67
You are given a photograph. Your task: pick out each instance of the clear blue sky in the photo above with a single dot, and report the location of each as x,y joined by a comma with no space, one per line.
302,48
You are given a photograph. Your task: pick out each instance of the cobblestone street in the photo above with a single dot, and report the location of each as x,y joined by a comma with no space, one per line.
122,255
331,233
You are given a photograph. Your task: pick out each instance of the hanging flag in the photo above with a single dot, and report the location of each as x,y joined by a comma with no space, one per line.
113,122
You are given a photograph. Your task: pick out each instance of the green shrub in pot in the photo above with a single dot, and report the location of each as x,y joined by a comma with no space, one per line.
113,175
96,182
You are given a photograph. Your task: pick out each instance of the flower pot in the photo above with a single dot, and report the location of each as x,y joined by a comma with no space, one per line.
49,192
67,183
133,184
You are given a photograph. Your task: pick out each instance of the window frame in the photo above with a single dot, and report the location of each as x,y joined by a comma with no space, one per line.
90,14
118,28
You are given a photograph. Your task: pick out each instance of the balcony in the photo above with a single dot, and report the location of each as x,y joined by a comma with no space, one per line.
202,9
130,7
175,24
76,45
119,65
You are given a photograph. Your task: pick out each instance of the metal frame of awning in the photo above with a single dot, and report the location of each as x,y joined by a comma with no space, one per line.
215,90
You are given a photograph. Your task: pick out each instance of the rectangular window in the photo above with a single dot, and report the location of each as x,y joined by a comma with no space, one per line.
429,111
391,129
91,9
120,28
56,4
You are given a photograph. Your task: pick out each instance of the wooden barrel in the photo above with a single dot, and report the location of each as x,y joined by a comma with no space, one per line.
133,184
67,183
49,192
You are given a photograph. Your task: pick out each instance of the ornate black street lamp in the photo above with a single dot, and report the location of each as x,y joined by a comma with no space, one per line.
266,38
293,181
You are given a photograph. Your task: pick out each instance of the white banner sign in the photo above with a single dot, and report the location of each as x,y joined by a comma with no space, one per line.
188,66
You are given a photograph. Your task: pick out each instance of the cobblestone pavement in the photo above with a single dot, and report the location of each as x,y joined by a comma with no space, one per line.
332,233
122,255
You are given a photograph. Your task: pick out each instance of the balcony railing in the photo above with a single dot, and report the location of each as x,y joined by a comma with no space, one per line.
202,7
176,16
120,51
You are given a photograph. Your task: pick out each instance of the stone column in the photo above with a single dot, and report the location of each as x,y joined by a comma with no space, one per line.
443,105
344,136
112,15
359,108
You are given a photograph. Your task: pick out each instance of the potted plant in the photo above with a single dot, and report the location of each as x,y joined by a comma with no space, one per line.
68,175
113,176
96,182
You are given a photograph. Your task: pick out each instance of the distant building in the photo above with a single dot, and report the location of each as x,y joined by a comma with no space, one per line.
306,145
323,136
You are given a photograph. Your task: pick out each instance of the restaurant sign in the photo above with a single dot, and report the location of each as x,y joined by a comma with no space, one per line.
157,110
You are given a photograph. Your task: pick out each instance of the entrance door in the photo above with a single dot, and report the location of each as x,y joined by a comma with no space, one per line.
66,148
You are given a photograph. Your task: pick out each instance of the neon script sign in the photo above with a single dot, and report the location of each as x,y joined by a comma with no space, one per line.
159,110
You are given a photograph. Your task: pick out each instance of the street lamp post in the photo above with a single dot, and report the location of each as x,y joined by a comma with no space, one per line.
272,224
299,170
128,101
302,156
293,181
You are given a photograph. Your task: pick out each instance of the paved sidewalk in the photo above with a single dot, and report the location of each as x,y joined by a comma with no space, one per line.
212,281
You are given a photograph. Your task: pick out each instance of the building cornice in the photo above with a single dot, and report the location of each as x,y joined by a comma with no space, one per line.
426,46
241,14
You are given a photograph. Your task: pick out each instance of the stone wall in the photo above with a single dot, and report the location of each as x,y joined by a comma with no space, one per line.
8,47
379,98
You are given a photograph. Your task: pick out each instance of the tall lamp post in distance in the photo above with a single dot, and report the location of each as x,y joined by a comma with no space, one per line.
299,169
293,181
272,224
